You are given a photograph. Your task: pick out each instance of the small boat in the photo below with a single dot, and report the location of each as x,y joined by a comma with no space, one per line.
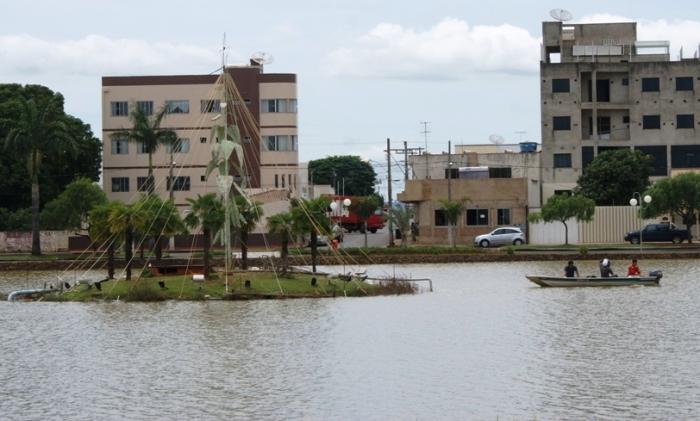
594,281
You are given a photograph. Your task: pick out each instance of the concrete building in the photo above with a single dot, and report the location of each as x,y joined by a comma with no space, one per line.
193,102
602,89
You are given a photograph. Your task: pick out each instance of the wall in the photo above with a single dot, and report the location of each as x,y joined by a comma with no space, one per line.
19,241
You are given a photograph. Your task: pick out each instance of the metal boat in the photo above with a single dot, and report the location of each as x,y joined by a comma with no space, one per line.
593,281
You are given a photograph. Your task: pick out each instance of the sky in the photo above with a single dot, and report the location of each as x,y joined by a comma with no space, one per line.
366,70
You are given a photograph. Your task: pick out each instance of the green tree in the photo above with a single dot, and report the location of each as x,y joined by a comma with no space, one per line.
453,209
248,215
101,233
39,133
613,176
562,207
364,207
70,209
359,175
282,225
161,220
124,221
311,217
679,195
207,214
400,217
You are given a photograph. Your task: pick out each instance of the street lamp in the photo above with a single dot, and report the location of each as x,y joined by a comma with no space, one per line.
637,200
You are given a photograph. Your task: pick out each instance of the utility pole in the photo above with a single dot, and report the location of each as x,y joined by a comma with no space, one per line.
425,134
449,170
388,187
405,160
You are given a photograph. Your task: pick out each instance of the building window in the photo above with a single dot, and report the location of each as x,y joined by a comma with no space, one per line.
500,172
658,158
210,106
650,84
277,181
626,119
503,216
142,183
283,181
120,184
203,178
604,125
120,146
685,156
247,140
181,145
278,105
451,173
684,83
562,160
281,143
560,85
561,123
202,140
145,107
685,121
141,148
177,107
119,108
625,81
562,192
477,216
650,122
182,183
440,218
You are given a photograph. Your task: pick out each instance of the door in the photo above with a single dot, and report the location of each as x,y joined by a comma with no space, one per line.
602,87
498,237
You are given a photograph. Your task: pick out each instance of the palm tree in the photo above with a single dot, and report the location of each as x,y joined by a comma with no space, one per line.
101,233
207,213
401,216
161,219
124,220
311,216
249,213
453,209
364,207
146,131
282,225
39,133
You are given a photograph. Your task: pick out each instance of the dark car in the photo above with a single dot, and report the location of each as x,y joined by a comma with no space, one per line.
659,232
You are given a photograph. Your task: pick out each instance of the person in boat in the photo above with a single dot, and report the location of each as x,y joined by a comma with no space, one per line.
570,270
633,269
605,269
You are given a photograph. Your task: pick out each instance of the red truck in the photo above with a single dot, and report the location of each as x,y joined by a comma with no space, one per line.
347,219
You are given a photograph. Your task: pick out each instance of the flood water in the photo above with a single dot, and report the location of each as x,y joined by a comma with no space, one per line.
485,344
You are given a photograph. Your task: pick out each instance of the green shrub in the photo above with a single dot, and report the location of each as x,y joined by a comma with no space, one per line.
142,291
583,250
509,250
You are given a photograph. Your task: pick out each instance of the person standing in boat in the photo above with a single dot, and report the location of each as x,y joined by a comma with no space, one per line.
605,269
633,269
570,270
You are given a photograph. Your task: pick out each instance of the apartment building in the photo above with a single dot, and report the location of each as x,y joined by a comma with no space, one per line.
603,89
193,104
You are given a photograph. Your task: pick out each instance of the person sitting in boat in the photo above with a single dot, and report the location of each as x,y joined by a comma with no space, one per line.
633,269
605,269
570,270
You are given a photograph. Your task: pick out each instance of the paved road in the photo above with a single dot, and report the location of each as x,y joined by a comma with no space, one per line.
356,239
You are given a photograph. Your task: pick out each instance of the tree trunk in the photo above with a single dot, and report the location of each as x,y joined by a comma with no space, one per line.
205,249
365,233
171,186
244,249
36,241
128,251
449,232
110,260
314,236
151,182
566,234
158,249
285,254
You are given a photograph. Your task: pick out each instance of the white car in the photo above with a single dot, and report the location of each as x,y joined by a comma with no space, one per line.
500,237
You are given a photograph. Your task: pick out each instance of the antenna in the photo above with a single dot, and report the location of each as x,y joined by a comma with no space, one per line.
520,134
561,15
496,139
223,53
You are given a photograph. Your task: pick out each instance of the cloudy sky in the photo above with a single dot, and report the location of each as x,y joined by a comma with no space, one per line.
367,70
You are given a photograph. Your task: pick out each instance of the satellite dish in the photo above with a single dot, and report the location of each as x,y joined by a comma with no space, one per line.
561,15
261,58
496,139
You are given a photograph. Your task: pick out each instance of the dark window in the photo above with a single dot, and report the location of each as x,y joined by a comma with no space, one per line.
651,122
181,183
142,183
685,121
120,184
562,192
120,108
277,180
145,107
561,123
477,216
562,160
503,217
586,156
283,181
202,140
603,125
684,83
626,119
210,106
500,172
440,218
685,156
203,178
177,106
451,172
560,85
658,156
650,84
602,90
625,81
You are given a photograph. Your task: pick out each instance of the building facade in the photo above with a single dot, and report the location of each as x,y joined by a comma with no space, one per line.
603,89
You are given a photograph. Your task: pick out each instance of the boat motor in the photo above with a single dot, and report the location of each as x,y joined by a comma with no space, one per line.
656,274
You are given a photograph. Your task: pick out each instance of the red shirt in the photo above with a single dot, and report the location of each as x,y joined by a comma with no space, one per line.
633,270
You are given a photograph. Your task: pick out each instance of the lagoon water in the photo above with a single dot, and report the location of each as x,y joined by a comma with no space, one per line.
485,344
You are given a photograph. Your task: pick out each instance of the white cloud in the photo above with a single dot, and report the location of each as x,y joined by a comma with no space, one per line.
451,49
97,55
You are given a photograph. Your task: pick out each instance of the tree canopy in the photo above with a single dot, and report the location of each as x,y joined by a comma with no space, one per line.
614,176
70,209
679,195
562,207
359,175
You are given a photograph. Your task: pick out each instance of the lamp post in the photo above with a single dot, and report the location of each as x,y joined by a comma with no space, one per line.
637,199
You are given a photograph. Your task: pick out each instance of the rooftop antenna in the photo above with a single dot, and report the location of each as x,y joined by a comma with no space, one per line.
496,139
261,58
520,134
223,53
561,15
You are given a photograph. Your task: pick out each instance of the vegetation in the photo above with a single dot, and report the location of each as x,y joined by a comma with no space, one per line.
282,225
359,175
364,207
679,195
207,214
400,217
453,209
101,232
70,209
249,213
161,219
614,176
311,217
124,221
562,207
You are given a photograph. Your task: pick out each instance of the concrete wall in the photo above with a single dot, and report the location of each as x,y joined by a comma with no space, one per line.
20,241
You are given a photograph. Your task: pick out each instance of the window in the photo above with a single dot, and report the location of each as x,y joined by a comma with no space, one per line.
685,121
451,172
181,145
247,140
177,107
120,184
562,192
277,181
440,218
141,148
603,125
650,84
145,107
142,183
560,85
626,119
203,178
181,183
477,216
202,140
625,81
685,156
283,181
586,156
562,160
120,108
658,158
278,105
684,83
210,106
500,172
650,122
120,146
280,143
503,216
561,123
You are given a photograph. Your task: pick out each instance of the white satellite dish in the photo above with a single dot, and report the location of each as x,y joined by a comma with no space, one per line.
262,58
561,15
496,139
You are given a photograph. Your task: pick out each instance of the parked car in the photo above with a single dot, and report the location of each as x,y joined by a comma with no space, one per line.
500,237
659,232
